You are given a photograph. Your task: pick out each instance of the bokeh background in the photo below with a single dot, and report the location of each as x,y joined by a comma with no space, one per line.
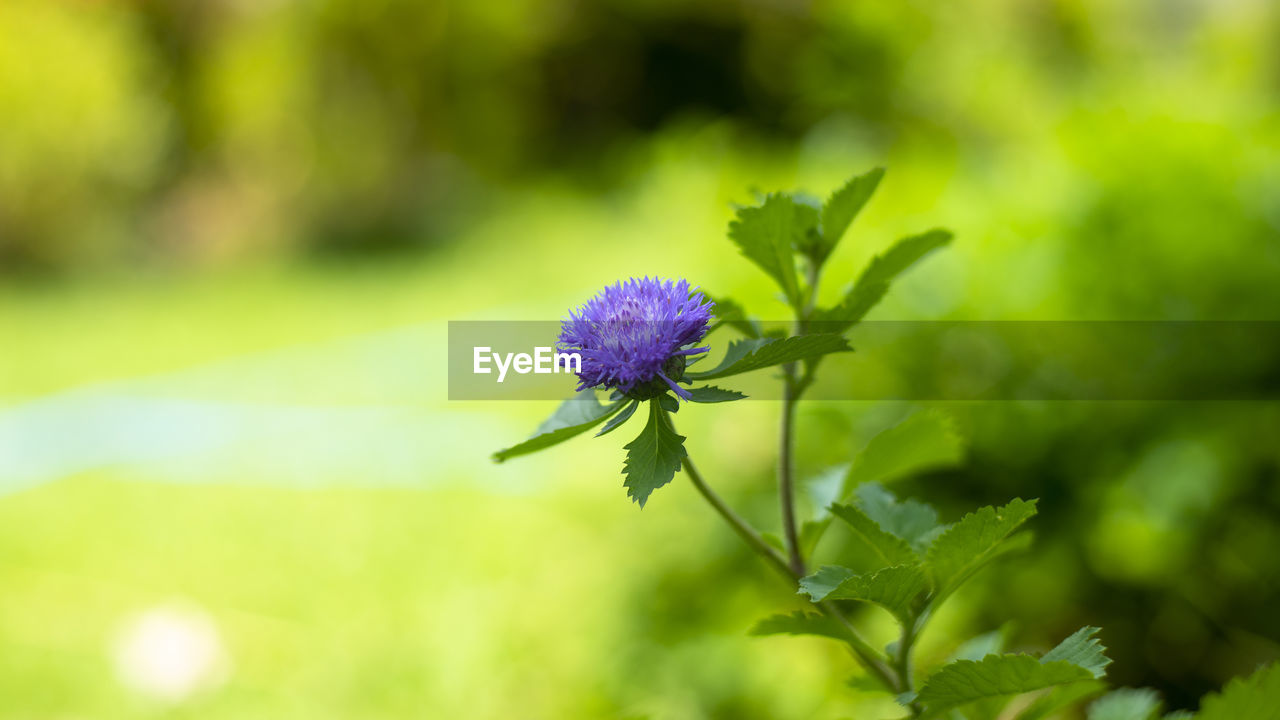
232,231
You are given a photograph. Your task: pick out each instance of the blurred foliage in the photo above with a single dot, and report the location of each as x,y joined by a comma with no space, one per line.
165,165
198,132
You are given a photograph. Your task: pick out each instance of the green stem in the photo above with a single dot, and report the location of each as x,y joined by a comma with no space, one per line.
786,478
794,386
874,661
902,664
813,274
871,659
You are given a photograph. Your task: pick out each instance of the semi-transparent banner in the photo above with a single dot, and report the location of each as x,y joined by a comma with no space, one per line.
936,361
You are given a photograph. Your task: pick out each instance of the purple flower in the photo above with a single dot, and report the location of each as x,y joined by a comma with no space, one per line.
634,336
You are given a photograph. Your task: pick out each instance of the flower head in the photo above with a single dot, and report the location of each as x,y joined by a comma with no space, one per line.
634,335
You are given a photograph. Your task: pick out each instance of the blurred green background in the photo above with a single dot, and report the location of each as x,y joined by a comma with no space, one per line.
231,233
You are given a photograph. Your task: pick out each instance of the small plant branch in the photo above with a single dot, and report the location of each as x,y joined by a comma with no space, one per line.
736,521
874,661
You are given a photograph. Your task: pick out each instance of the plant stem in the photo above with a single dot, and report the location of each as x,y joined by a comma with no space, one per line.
870,658
786,474
902,663
813,274
875,662
794,386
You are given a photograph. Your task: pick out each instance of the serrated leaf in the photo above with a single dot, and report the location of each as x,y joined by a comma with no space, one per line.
876,278
764,234
799,623
1082,649
839,211
653,457
713,394
888,548
895,588
1256,697
574,416
730,312
974,541
616,421
966,681
1126,704
911,520
747,355
827,578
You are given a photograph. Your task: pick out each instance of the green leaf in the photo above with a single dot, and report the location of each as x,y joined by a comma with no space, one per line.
855,305
875,279
764,233
895,588
653,457
576,415
974,541
1073,668
966,681
713,394
747,355
729,312
843,206
924,441
911,520
888,548
617,420
906,252
1082,649
1126,704
828,578
1060,697
1256,697
799,623
668,403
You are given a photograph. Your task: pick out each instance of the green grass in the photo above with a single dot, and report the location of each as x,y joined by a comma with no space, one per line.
383,604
